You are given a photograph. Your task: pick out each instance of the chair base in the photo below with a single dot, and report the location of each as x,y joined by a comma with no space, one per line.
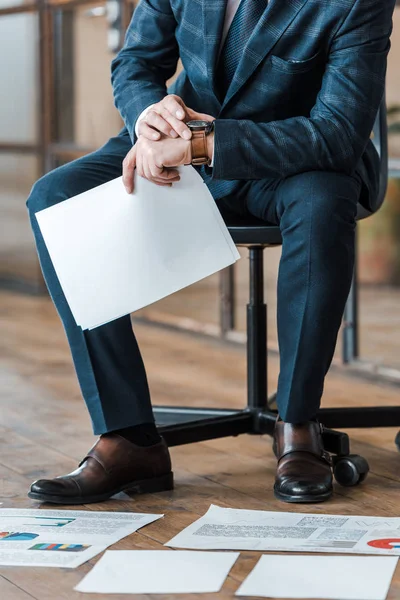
180,426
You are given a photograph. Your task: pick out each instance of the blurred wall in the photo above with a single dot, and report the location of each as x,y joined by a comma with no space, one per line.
96,119
18,97
393,79
393,88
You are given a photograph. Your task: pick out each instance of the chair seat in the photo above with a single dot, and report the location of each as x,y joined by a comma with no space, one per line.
250,230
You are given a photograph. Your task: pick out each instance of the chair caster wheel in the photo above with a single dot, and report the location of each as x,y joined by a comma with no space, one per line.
397,441
350,470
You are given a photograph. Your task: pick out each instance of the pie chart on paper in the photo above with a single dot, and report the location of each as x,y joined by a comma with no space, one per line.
385,544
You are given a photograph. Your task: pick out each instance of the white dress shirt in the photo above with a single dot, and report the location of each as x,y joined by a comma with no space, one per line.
231,8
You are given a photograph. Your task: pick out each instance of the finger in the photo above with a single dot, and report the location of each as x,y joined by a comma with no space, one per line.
168,162
165,182
196,116
128,170
146,169
147,131
162,180
175,106
156,120
176,125
161,173
156,172
170,174
139,165
168,181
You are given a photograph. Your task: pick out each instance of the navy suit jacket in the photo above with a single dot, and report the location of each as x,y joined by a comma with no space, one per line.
304,97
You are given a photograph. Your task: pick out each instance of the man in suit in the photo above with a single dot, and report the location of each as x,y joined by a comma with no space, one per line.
287,92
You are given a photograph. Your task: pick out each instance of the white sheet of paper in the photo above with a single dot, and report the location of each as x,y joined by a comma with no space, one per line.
115,253
328,577
62,538
236,529
158,572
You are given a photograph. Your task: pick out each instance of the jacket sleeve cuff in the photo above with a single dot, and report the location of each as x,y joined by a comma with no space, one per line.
225,142
129,112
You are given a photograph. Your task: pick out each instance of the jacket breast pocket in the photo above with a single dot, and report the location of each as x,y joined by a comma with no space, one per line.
293,66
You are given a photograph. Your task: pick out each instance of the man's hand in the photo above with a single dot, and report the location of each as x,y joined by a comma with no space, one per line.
154,160
168,117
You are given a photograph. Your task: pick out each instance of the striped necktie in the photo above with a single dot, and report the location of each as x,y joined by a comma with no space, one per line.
246,18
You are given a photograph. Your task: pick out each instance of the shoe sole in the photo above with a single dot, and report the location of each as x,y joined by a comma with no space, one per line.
146,486
304,498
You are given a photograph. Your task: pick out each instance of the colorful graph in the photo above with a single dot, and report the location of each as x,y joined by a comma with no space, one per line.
385,544
14,536
42,521
60,547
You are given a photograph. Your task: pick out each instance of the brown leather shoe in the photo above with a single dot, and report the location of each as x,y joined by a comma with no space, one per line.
112,465
304,471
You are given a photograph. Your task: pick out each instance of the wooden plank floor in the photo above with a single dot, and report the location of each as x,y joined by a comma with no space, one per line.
44,431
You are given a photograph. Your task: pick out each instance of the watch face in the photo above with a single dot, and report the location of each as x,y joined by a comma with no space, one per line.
195,125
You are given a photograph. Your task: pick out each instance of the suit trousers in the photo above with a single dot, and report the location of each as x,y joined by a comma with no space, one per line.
316,212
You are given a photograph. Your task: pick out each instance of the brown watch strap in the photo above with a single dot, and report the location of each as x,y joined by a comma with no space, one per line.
199,148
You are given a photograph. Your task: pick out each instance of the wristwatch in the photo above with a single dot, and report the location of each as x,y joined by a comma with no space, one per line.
200,130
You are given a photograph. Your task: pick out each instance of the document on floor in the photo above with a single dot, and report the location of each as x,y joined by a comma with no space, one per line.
235,529
133,572
62,538
328,577
115,253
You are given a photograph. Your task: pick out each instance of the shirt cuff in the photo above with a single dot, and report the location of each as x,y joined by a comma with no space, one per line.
140,117
213,154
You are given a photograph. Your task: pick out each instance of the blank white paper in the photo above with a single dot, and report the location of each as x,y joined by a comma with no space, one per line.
115,253
328,577
158,572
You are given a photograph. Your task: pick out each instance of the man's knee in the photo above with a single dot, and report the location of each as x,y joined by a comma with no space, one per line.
327,199
46,192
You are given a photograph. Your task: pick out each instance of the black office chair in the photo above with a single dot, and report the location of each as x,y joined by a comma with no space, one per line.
181,425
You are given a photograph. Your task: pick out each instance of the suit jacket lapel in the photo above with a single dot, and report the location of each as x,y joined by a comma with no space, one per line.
275,20
213,23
